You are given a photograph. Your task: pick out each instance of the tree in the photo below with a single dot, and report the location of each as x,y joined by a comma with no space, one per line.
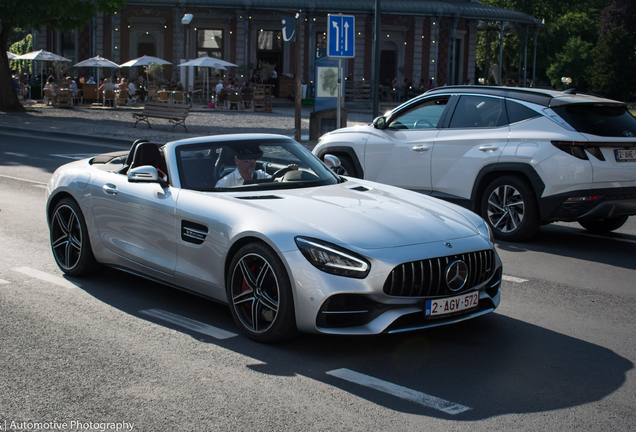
614,63
62,15
572,61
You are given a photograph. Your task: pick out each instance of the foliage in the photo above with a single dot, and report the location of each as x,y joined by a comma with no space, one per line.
154,69
572,61
560,21
244,70
21,47
614,63
265,72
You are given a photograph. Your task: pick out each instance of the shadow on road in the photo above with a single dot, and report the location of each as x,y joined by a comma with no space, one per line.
495,365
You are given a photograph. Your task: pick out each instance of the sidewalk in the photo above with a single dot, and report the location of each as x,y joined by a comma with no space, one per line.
117,123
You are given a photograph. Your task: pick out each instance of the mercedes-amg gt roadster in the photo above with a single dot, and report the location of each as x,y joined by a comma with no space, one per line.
258,222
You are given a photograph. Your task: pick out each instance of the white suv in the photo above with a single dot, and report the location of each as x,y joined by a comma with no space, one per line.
518,157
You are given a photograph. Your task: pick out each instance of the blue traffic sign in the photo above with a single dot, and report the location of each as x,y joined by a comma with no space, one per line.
340,36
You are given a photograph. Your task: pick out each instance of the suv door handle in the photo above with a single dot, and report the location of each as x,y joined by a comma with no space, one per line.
110,189
420,148
488,148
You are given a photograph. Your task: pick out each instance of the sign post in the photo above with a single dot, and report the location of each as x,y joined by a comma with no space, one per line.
340,44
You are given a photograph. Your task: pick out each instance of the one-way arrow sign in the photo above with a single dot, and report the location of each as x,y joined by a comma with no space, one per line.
340,36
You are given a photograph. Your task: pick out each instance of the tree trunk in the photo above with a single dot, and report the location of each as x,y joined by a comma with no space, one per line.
8,96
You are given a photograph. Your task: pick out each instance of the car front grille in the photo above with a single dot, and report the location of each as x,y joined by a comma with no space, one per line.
427,278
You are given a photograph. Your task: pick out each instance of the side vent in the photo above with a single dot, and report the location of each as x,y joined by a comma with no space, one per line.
192,232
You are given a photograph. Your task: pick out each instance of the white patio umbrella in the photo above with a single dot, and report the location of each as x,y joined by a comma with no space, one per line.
11,55
209,62
145,61
98,62
41,55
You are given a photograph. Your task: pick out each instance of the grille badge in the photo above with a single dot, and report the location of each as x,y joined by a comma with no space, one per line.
456,275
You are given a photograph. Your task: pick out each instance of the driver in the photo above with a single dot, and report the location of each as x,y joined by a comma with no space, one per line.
245,160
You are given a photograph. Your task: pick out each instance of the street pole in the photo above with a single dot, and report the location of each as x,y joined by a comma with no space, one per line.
298,102
186,20
376,60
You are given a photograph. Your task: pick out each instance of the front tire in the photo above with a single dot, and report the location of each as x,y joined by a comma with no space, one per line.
510,209
70,244
604,226
259,294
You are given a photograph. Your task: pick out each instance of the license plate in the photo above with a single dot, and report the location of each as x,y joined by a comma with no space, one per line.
451,304
625,155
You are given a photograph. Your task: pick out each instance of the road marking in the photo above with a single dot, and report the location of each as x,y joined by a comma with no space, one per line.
399,391
21,179
514,279
188,323
45,277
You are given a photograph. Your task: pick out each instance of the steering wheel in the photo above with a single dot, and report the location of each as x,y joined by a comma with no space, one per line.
418,124
281,172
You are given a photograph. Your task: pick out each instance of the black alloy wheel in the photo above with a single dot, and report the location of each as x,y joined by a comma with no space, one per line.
260,296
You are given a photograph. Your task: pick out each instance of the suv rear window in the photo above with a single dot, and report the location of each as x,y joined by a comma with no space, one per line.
601,120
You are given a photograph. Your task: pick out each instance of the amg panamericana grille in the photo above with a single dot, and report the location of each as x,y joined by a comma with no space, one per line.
427,278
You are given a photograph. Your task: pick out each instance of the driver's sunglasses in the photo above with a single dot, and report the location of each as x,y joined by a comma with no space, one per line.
249,160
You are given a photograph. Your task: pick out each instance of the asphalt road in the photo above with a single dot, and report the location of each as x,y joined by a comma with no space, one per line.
558,354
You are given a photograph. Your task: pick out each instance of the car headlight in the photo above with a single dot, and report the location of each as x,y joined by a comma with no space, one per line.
485,231
333,259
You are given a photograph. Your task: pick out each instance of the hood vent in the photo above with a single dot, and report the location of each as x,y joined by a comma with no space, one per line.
360,188
259,197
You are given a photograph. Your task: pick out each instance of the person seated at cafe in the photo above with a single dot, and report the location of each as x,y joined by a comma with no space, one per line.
172,85
50,85
72,86
179,86
107,86
132,89
91,80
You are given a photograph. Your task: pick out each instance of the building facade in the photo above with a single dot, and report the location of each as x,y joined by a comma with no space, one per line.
419,39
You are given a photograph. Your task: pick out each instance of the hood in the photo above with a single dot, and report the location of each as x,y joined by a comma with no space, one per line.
368,215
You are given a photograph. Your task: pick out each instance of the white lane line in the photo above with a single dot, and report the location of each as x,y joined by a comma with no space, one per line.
45,277
513,279
399,391
77,156
21,179
188,323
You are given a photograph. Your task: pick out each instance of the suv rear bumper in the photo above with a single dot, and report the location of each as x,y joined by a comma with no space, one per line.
613,202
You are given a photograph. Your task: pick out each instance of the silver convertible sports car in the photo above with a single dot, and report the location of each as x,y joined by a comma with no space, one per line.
258,222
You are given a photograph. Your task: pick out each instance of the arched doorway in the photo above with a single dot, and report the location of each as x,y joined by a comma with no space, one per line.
146,46
388,62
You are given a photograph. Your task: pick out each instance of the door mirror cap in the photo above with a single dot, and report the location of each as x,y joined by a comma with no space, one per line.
146,174
379,122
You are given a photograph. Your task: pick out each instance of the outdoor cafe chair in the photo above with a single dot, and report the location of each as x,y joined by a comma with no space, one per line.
109,95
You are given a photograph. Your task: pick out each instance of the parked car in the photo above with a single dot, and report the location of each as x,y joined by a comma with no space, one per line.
518,157
293,247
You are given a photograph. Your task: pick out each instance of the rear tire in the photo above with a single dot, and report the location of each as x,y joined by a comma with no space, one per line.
70,244
509,207
260,296
604,226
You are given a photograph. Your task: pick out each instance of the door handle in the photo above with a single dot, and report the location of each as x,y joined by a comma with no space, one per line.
110,189
420,148
488,148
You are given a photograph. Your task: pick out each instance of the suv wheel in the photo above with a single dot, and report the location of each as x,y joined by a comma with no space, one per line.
510,208
603,226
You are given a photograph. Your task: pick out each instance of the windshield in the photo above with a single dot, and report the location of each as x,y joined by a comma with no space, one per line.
253,164
601,120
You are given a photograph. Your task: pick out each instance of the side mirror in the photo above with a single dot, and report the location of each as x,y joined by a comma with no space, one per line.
332,162
146,174
379,122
